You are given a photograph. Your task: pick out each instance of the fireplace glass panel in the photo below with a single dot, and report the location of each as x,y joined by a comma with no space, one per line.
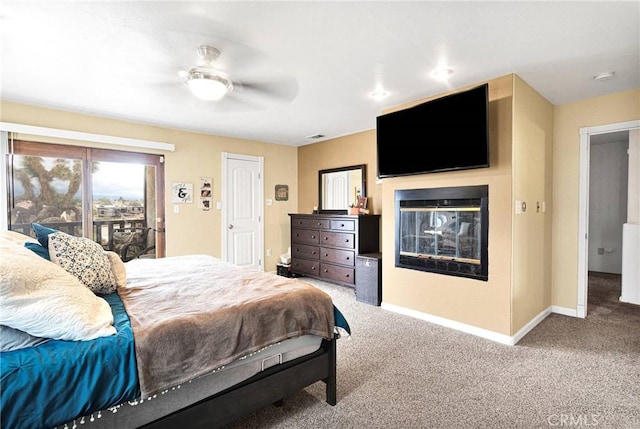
446,233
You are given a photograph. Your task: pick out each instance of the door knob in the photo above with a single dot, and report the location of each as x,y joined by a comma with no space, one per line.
230,226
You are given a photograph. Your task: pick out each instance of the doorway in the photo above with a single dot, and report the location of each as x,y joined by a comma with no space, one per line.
242,214
112,197
588,137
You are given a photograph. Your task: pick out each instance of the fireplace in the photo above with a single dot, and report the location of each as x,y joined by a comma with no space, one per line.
443,230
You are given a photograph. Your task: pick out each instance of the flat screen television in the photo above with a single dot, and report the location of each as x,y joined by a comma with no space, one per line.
444,134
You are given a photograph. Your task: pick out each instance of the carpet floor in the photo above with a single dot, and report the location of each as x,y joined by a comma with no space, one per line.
396,371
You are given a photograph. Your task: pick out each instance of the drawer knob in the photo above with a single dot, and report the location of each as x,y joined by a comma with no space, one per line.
346,275
326,254
342,225
313,236
313,253
346,241
319,223
326,271
347,258
313,268
326,238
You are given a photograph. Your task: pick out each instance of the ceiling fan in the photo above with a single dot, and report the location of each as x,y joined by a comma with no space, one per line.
205,81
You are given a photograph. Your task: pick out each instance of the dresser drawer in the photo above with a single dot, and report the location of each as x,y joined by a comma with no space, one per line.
320,223
337,239
305,251
338,273
303,266
343,225
302,222
305,236
343,257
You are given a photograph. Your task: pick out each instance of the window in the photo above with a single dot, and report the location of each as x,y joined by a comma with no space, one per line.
114,197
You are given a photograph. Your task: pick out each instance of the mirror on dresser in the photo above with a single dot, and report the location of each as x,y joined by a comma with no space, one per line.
338,188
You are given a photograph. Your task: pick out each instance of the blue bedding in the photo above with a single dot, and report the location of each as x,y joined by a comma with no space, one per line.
97,374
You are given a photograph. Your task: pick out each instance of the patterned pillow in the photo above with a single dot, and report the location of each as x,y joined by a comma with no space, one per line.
85,259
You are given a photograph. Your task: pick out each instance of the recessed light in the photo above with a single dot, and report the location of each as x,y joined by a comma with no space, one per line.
604,76
315,136
379,94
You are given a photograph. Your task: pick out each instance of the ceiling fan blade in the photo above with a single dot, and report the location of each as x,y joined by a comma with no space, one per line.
282,91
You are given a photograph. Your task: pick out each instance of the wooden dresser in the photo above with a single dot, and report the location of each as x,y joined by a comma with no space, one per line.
325,246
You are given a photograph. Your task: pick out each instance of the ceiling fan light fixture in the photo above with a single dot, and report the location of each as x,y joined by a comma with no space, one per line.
208,86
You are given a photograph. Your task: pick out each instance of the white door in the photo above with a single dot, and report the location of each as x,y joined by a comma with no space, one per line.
242,236
336,190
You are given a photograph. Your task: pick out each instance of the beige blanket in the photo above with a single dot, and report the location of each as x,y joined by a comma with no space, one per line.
193,314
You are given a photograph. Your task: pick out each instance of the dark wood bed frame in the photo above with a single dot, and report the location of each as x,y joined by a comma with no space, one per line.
268,387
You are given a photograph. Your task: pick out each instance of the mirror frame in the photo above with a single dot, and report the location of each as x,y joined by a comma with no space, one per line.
363,171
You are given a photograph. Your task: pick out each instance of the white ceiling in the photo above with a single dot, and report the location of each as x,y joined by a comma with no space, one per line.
307,67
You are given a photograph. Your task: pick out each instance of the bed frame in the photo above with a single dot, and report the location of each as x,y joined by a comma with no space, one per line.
268,387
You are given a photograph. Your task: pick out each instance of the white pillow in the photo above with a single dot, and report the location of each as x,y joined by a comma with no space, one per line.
43,300
85,259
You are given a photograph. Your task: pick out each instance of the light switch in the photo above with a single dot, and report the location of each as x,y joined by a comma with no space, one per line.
176,208
518,207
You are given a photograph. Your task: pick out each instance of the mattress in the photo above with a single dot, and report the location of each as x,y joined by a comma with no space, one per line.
132,414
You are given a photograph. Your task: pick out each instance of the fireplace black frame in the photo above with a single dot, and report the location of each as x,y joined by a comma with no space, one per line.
444,197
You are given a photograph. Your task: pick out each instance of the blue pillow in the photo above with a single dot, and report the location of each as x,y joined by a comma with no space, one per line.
42,233
38,250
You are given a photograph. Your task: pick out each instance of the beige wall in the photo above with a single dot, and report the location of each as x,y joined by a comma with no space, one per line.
568,119
353,149
477,303
197,155
532,183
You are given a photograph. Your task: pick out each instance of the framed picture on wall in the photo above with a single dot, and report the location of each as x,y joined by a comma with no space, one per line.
282,192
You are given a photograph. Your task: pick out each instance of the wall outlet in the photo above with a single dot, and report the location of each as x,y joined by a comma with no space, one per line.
600,250
268,252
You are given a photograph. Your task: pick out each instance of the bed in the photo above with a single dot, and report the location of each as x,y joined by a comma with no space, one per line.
187,341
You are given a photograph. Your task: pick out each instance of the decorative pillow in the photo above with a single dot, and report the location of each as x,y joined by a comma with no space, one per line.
42,233
118,269
43,300
38,249
15,339
83,258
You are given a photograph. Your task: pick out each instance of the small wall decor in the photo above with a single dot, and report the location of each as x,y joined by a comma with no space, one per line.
206,193
182,192
282,192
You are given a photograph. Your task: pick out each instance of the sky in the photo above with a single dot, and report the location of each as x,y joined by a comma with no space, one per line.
113,180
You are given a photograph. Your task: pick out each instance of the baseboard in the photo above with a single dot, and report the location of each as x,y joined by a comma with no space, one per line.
447,323
566,311
530,325
469,329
